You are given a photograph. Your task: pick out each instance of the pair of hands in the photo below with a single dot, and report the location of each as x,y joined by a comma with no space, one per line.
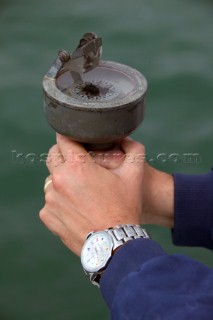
89,193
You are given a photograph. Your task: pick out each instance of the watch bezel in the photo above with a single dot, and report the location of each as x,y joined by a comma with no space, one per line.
107,257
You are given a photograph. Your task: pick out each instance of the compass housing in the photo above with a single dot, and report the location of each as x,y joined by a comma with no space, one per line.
99,117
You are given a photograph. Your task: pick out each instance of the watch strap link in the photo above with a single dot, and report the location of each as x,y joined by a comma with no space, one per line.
120,235
123,233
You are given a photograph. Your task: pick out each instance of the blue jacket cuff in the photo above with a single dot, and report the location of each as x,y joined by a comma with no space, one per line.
129,258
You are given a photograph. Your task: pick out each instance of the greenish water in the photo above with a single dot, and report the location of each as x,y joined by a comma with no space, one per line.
171,43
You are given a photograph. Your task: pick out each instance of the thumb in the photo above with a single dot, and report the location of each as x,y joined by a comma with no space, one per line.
110,159
134,159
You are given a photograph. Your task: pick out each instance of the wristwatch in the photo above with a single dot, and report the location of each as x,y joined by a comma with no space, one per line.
100,246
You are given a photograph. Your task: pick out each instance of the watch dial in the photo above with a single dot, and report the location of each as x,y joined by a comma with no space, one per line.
96,251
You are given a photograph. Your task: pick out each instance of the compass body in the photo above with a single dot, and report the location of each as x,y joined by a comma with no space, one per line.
97,108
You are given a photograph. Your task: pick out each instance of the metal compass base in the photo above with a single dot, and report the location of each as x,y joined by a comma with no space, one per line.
94,102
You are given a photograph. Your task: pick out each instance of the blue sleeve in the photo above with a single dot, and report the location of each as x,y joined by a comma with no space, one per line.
143,282
193,210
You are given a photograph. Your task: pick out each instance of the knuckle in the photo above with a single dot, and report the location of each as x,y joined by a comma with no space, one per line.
42,214
57,180
51,153
140,148
53,149
47,219
49,199
48,160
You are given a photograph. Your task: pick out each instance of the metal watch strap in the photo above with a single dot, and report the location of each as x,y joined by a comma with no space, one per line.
120,235
123,233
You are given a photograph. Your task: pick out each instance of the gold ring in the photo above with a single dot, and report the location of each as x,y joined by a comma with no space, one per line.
46,184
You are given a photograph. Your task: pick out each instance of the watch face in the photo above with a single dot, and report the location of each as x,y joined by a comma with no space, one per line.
96,251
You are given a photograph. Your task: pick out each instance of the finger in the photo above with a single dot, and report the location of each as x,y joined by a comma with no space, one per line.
54,159
134,151
134,158
72,151
131,146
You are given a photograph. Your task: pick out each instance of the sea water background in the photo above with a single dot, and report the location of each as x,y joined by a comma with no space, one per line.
170,42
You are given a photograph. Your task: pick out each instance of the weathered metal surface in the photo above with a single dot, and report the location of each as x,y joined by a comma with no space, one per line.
106,105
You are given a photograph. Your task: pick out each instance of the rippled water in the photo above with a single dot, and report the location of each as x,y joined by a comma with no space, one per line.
170,42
